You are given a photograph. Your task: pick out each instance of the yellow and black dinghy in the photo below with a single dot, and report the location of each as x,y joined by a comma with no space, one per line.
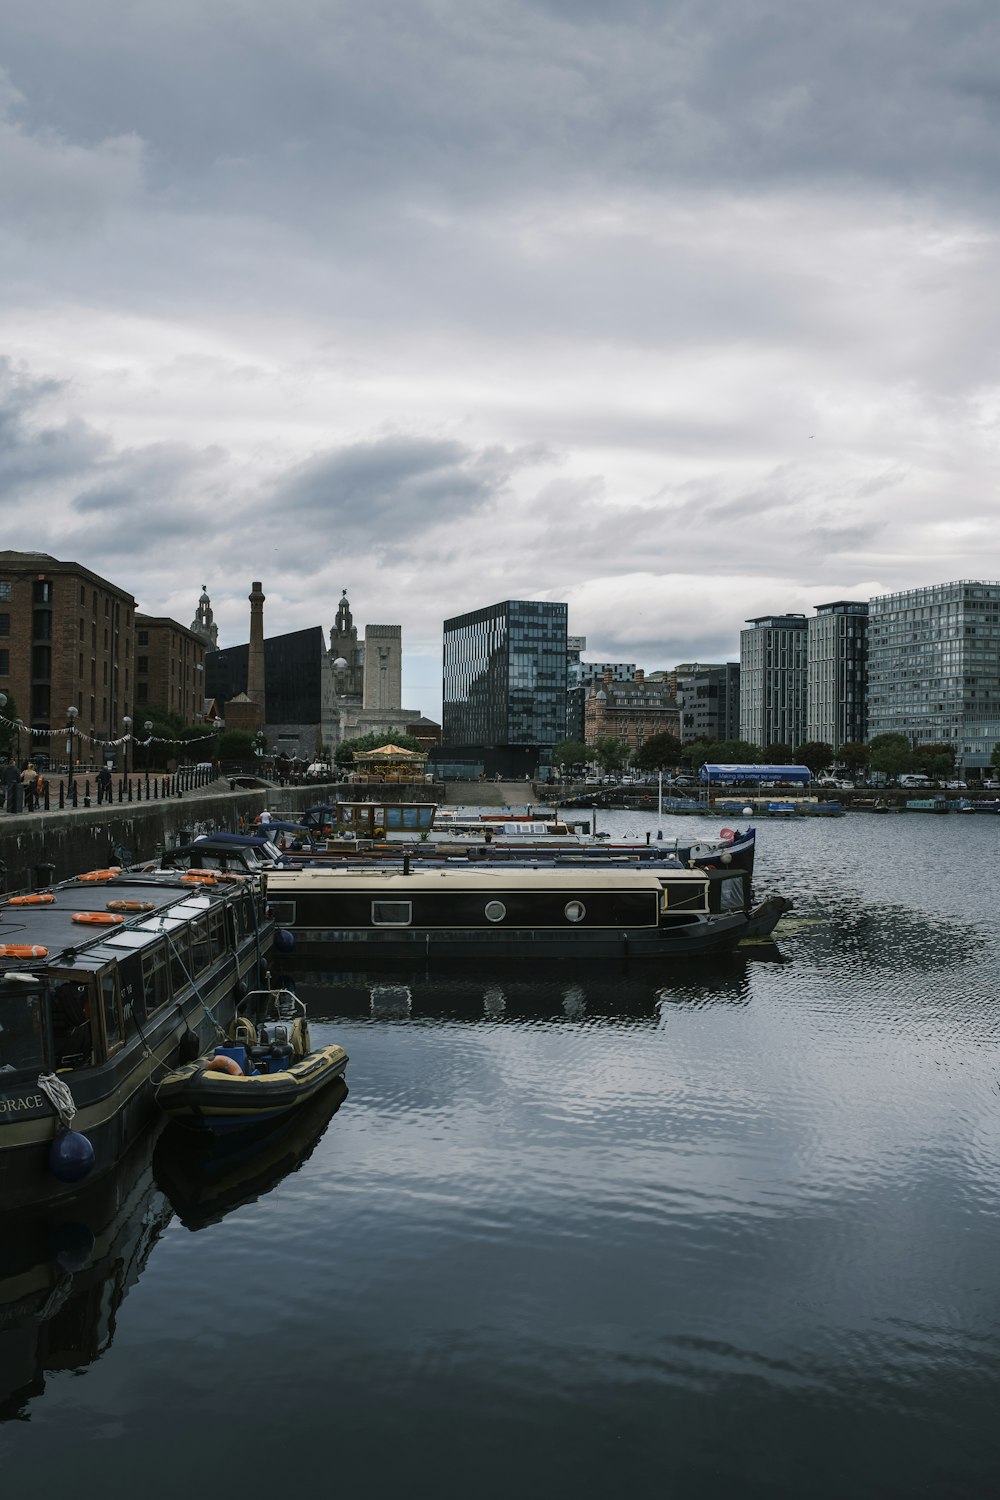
265,1069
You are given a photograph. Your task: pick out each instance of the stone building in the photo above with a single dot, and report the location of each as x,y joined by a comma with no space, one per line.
67,640
632,712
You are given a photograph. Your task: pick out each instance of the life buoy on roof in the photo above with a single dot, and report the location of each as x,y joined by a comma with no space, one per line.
727,835
42,899
22,950
96,918
108,874
131,905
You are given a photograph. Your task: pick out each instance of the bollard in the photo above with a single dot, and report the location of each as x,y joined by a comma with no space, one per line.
121,790
155,788
62,796
46,795
76,802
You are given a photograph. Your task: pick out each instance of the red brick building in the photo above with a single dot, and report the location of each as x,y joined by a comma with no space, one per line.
169,668
67,639
632,712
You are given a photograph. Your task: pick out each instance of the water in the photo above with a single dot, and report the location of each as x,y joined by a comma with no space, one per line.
726,1229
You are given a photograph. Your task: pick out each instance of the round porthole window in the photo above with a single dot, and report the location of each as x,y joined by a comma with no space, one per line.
575,911
495,911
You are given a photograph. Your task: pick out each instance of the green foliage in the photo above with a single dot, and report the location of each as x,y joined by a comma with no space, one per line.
347,749
890,754
721,753
777,753
610,753
936,761
235,744
570,754
659,752
853,756
9,735
995,757
816,754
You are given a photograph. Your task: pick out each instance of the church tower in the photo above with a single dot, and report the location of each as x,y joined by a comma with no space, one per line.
203,623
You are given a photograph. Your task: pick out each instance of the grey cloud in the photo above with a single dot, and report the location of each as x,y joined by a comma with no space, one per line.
34,453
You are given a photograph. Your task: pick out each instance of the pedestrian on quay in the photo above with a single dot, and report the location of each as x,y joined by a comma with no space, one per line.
40,785
11,782
103,785
29,780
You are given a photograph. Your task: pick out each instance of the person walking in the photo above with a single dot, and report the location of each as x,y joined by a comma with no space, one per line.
103,785
29,778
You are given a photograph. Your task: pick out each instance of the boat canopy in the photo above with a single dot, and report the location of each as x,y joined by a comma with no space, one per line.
730,773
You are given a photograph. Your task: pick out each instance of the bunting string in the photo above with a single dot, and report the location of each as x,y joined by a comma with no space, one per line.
95,739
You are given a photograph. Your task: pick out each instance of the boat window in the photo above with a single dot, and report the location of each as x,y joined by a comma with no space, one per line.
732,895
217,932
495,911
201,947
111,1009
575,911
155,983
391,913
21,1047
72,1038
283,912
179,956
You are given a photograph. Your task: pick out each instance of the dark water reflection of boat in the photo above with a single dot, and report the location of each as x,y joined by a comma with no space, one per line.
512,992
206,1177
66,1270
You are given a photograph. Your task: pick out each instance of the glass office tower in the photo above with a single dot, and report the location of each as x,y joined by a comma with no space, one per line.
934,668
505,675
773,680
837,695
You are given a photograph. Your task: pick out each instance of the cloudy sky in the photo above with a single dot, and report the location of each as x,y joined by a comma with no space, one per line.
680,312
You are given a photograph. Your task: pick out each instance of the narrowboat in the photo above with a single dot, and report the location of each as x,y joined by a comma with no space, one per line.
106,981
343,915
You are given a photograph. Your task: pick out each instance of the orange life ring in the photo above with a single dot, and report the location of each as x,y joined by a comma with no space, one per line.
727,835
202,877
96,918
42,900
22,950
101,874
224,1065
131,905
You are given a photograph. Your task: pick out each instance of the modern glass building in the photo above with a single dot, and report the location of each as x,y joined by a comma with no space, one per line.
836,698
934,668
505,670
773,680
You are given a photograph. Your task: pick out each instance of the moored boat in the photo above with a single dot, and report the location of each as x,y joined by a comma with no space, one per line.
104,981
473,912
265,1070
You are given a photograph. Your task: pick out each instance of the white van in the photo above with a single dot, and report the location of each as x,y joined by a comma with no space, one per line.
913,780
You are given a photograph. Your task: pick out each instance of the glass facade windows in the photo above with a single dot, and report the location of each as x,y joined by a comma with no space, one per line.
505,675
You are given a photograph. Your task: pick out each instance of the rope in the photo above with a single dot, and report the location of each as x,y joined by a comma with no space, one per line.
194,985
58,1094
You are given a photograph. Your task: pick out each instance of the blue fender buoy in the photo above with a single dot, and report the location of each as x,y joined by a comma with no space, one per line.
71,1156
284,941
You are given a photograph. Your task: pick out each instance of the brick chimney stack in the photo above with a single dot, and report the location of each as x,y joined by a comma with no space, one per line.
255,661
640,677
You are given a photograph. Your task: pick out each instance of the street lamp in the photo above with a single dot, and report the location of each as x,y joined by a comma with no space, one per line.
128,735
148,727
72,714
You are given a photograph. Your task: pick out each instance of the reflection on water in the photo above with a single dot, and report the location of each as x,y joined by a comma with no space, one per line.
724,1228
65,1271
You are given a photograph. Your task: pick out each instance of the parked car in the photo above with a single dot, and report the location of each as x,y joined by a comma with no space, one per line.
991,786
956,786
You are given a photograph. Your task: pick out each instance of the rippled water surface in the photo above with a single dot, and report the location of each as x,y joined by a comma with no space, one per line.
727,1229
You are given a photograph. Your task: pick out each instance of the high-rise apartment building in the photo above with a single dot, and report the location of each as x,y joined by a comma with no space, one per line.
837,680
934,668
66,641
505,675
708,695
773,680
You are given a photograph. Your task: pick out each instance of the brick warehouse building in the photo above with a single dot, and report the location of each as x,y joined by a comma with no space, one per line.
632,712
67,638
169,667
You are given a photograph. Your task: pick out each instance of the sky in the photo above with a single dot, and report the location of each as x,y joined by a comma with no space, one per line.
679,312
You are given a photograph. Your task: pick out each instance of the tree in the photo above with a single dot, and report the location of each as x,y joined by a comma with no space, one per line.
570,755
777,753
995,757
890,754
236,744
610,753
853,756
816,754
659,752
936,761
8,733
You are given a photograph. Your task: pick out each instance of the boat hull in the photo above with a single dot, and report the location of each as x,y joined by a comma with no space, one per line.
223,1103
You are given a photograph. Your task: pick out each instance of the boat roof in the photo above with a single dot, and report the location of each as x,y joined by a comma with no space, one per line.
318,878
50,924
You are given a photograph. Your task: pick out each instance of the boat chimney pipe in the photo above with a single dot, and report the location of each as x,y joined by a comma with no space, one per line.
406,862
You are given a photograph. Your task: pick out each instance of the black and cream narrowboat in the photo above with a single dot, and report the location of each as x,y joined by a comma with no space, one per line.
105,982
342,915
